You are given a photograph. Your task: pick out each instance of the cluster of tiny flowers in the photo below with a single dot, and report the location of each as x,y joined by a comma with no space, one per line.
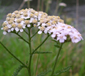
61,32
48,23
52,25
19,20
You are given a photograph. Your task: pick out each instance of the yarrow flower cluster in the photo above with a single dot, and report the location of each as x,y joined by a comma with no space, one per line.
59,30
19,20
52,25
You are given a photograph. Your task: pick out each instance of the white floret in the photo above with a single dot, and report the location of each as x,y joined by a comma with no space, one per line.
4,32
61,38
39,32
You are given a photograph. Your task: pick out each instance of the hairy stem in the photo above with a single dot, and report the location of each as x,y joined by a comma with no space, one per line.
56,60
13,55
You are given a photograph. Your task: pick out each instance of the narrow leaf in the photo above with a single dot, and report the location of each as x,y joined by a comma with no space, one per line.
62,71
42,52
58,46
18,70
45,72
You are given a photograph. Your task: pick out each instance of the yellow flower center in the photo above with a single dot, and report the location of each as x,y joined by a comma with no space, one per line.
54,22
27,22
13,25
36,14
41,21
69,27
5,28
79,34
4,24
42,28
18,16
31,15
10,22
13,15
34,25
12,19
19,26
34,21
21,19
25,14
75,37
61,36
60,20
16,12
9,15
18,20
8,19
56,27
48,24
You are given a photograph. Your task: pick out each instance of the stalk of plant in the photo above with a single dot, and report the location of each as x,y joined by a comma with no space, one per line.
30,58
56,60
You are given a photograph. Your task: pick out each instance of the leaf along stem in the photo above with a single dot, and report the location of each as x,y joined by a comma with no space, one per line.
13,55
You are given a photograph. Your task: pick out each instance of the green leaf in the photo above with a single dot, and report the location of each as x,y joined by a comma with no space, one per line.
58,46
55,41
62,71
42,52
18,70
45,72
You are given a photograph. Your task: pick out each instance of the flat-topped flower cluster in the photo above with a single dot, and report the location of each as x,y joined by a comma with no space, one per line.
52,25
19,20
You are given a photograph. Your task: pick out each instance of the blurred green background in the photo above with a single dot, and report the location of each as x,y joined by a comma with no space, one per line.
72,54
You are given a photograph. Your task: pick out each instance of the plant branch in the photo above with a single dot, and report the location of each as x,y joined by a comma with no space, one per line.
56,60
35,34
26,32
40,44
22,38
13,55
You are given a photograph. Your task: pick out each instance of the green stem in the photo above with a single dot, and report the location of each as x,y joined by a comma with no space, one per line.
56,60
23,38
40,44
29,35
13,55
35,34
26,32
